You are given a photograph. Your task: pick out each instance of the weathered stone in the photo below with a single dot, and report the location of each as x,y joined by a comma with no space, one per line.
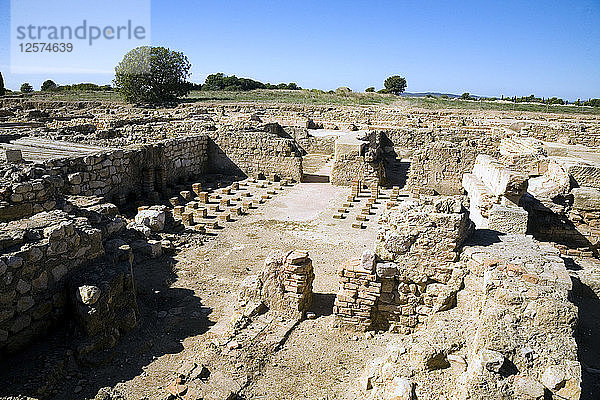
153,219
586,198
88,294
368,260
492,360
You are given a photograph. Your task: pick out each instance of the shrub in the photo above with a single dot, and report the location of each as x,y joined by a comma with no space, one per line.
152,75
592,102
343,90
370,89
465,96
395,84
26,88
49,85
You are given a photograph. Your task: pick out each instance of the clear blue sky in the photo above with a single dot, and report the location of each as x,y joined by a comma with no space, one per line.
549,48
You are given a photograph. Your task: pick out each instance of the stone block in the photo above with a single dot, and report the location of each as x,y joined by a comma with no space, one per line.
13,156
586,198
508,219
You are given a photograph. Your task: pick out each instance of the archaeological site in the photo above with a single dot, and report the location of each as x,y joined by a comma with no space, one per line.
231,250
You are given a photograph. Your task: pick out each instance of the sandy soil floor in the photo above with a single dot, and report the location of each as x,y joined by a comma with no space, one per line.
182,297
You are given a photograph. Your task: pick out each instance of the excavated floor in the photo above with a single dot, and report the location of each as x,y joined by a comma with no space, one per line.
182,297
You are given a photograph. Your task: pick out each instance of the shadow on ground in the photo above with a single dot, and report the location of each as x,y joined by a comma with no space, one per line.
49,368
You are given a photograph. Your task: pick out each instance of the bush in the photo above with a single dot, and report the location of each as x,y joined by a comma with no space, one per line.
370,89
49,85
343,90
152,75
395,84
465,96
220,81
555,100
2,88
592,103
83,87
26,88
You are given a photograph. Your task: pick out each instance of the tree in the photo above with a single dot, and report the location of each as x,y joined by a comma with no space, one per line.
466,96
49,85
370,89
152,75
2,89
26,88
395,84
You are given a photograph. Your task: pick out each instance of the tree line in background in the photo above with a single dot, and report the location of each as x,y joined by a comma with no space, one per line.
220,81
157,75
533,99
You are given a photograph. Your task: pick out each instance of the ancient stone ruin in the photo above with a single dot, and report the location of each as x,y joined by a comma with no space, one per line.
231,251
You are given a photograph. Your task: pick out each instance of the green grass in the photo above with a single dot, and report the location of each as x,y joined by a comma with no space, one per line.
291,97
84,95
318,97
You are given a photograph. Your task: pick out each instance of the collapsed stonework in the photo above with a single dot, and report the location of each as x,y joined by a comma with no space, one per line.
43,255
413,272
285,283
496,318
494,195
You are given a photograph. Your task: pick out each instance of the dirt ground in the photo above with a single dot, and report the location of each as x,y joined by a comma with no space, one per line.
184,298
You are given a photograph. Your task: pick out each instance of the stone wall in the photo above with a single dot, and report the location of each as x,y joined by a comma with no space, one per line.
358,159
147,168
572,221
414,271
310,143
44,250
114,175
57,266
254,154
439,167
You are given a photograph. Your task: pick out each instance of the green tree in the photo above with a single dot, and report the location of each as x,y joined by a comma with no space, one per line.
370,89
214,82
395,84
2,89
152,75
466,96
49,85
26,88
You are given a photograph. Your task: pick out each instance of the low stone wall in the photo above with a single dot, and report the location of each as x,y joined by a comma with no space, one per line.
510,335
573,222
33,277
103,300
145,169
310,143
253,154
114,175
